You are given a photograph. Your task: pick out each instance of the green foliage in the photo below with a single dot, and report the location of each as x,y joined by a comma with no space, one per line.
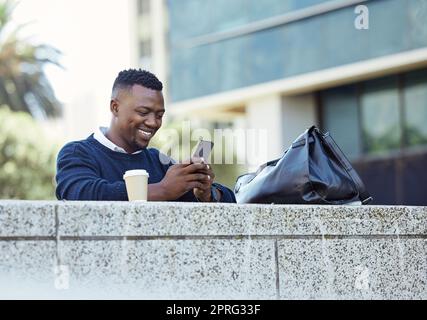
23,84
377,144
415,136
227,174
27,158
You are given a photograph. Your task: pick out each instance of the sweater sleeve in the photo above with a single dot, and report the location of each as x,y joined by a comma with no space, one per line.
78,178
227,194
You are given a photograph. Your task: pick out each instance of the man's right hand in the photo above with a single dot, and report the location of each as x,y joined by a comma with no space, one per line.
179,179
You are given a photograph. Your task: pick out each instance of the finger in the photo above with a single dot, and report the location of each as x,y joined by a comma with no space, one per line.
205,168
178,166
210,172
198,177
195,167
205,187
200,191
204,184
194,185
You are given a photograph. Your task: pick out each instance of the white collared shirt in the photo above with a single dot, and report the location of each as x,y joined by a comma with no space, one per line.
99,136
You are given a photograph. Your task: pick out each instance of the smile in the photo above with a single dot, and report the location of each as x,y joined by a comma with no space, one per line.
146,133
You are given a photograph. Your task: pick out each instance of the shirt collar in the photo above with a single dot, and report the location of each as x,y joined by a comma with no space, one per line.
99,135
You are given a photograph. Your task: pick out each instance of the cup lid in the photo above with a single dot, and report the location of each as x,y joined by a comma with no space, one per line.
131,173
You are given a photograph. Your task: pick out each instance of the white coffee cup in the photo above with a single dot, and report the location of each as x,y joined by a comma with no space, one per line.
136,184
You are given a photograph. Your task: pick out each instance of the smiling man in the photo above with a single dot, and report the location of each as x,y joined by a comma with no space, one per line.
92,169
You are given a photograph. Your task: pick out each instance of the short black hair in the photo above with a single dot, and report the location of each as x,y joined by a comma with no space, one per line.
130,77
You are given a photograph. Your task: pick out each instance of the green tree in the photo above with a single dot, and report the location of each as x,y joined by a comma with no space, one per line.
27,158
23,84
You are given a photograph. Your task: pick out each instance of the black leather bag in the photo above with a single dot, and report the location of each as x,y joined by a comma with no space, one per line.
313,170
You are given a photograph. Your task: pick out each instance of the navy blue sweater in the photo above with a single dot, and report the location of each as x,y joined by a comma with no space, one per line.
87,170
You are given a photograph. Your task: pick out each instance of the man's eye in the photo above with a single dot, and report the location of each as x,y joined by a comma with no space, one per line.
143,113
160,116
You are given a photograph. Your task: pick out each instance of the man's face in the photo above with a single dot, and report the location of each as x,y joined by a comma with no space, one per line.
138,117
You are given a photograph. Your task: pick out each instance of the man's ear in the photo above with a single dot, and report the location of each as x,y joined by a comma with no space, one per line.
114,107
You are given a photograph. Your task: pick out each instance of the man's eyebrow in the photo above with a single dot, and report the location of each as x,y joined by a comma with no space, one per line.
149,108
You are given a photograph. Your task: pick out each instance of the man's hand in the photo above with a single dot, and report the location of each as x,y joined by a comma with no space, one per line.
179,179
203,193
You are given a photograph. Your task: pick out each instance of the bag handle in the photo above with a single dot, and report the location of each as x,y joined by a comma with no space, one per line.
364,196
306,143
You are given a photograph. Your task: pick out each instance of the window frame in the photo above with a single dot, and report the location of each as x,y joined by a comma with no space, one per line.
404,146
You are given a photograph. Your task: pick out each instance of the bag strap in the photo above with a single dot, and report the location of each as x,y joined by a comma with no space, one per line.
364,196
267,164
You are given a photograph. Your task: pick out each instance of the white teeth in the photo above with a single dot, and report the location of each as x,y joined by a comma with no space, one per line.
148,134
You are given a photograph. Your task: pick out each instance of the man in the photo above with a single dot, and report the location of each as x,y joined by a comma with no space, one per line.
92,169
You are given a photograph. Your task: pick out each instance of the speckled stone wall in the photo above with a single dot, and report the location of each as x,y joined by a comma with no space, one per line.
158,250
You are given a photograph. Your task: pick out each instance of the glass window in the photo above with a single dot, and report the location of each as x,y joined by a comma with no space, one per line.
191,18
145,54
143,7
145,48
316,43
340,118
380,115
415,102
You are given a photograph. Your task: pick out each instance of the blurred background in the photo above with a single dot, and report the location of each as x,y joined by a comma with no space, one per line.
277,65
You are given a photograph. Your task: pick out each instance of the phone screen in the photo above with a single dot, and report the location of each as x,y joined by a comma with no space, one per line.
203,150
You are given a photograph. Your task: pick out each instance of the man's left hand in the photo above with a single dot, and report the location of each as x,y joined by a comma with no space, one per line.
204,193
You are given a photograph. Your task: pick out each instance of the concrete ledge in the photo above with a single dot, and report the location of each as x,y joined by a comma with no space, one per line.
168,250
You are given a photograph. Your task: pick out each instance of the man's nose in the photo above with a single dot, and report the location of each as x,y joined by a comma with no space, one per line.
150,120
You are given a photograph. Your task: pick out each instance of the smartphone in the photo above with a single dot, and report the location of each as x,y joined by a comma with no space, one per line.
203,150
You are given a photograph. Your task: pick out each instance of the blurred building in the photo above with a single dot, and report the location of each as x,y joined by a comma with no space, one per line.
358,72
150,25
